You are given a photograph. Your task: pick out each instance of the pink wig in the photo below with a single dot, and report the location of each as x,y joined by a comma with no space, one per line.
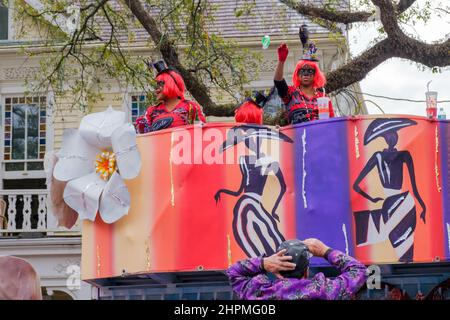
249,112
171,88
319,80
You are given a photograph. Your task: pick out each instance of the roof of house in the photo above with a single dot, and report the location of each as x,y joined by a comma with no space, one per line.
267,17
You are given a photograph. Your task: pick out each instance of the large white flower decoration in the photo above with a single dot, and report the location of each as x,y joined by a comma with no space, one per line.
94,160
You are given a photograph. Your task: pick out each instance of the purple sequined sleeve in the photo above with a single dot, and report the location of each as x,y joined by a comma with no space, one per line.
250,282
352,277
242,274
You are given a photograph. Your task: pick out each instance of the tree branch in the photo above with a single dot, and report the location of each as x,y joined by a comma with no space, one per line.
430,55
357,68
403,5
397,44
389,18
345,17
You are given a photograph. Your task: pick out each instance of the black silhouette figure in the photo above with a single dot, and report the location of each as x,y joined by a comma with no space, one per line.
254,228
396,220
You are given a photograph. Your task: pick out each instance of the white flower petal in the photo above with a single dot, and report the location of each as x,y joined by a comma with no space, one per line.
76,157
65,215
127,154
115,200
82,195
98,127
50,160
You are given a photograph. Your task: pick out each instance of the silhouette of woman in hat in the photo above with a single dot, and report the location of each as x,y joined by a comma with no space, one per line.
396,220
254,228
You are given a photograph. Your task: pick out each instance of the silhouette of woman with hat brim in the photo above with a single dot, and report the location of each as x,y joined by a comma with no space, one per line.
254,228
396,220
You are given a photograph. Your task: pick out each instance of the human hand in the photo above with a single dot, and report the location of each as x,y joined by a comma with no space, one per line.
217,196
422,215
283,52
278,262
316,247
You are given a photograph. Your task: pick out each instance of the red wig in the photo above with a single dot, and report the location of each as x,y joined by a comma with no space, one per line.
173,84
249,112
319,80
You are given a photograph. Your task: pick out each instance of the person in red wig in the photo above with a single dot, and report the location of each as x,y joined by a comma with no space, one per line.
173,109
301,98
250,111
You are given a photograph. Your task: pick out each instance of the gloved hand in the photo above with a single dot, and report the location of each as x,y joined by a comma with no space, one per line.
140,125
283,52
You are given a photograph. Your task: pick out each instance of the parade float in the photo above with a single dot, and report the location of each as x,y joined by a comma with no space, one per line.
165,213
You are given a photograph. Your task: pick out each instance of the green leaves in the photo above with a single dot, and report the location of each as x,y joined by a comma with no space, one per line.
102,52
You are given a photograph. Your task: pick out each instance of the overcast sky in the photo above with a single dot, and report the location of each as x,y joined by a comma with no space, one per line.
400,78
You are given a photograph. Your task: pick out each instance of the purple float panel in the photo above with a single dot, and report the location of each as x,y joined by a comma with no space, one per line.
322,199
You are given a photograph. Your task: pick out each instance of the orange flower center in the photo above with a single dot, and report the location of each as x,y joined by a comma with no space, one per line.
105,164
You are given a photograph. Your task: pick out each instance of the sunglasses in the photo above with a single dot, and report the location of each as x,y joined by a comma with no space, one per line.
168,72
307,72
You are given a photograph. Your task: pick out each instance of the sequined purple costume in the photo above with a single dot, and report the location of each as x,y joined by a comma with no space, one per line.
250,282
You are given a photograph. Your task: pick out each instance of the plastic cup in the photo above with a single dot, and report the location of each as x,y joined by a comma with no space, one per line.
265,42
323,106
431,100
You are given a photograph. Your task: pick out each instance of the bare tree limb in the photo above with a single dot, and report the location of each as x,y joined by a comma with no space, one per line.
388,18
443,10
397,44
430,55
357,68
345,17
403,5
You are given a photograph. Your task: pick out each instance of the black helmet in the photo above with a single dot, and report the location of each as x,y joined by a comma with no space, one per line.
300,256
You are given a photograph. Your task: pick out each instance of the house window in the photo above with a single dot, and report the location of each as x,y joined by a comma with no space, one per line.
274,103
138,106
24,133
3,22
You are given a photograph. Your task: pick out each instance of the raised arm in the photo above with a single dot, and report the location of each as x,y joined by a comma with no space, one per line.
244,281
242,166
283,52
353,273
410,165
352,278
275,166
